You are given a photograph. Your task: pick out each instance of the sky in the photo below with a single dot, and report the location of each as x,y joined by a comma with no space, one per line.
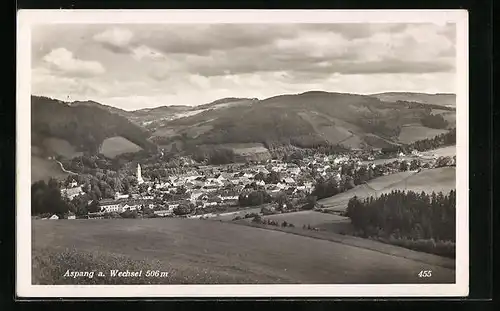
134,66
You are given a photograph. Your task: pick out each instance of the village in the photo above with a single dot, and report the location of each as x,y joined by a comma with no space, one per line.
210,190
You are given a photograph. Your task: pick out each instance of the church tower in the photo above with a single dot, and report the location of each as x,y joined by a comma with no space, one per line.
139,176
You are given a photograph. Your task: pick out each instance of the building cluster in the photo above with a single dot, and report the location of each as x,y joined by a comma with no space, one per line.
202,187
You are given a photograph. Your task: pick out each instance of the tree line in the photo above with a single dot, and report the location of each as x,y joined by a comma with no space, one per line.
446,139
405,215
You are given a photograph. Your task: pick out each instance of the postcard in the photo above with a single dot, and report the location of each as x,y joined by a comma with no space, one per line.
242,153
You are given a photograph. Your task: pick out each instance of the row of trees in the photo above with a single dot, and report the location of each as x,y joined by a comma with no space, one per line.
407,215
441,140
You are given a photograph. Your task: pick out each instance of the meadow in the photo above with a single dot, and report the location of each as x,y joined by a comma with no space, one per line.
437,179
413,133
330,222
43,169
210,252
114,146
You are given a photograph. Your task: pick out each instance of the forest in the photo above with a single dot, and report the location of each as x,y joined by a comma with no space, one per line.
85,127
425,222
441,140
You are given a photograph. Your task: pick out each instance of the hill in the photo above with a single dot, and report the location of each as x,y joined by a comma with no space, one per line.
437,179
440,99
83,126
304,120
230,254
90,103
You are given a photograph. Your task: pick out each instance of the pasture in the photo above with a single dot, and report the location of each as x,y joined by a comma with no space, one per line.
240,213
448,151
413,133
114,146
43,169
61,147
315,219
438,179
210,252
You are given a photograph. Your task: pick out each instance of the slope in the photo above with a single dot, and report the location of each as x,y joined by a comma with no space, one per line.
437,179
304,120
440,99
83,126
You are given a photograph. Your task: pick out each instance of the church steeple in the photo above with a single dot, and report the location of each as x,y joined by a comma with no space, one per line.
139,176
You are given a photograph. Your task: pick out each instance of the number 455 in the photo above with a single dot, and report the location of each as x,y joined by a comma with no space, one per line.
425,274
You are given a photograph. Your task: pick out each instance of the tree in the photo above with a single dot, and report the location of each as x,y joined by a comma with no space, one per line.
311,202
182,209
273,178
94,207
414,165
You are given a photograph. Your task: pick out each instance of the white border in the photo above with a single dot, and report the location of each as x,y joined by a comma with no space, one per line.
26,18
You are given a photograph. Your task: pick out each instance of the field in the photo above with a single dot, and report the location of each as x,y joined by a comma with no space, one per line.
448,151
208,252
438,179
232,215
413,133
43,169
315,219
60,147
113,146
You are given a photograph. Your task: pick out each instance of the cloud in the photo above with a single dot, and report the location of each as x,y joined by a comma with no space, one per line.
144,52
197,63
63,61
115,39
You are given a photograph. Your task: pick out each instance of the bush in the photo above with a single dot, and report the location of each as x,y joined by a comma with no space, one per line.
257,219
129,214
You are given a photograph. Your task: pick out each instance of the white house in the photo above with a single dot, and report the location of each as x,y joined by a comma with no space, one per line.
163,213
229,197
54,217
70,193
119,196
110,206
71,217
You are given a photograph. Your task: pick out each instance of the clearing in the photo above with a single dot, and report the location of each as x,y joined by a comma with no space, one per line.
315,219
44,169
437,179
197,251
114,146
413,133
60,147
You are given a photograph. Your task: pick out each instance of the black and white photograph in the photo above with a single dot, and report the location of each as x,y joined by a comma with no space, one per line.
268,153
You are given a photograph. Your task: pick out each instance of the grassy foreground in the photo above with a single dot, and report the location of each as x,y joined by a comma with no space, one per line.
210,252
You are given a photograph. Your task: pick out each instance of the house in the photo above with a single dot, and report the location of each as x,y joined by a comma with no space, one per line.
110,206
281,186
54,217
71,216
119,196
264,171
229,198
289,180
131,206
70,193
163,213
